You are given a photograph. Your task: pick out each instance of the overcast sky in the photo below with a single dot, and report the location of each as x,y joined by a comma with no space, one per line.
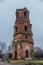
7,19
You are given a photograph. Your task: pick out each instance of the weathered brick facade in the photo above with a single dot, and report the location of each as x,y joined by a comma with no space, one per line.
23,45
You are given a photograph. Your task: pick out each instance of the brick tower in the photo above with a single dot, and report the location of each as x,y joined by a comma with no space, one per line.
23,45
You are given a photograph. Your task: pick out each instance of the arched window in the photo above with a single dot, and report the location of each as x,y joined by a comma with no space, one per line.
26,36
25,13
17,14
16,28
25,28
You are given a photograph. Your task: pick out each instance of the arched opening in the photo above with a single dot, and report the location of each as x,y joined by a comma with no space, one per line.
15,52
17,14
26,36
25,28
16,28
26,53
25,13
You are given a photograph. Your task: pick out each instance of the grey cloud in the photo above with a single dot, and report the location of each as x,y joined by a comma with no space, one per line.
41,0
1,0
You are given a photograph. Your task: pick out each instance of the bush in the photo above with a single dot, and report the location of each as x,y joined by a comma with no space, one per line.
33,63
8,60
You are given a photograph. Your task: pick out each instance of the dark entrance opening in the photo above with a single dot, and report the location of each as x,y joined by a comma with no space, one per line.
15,53
26,53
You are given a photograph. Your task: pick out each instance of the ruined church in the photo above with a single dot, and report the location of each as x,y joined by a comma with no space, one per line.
23,45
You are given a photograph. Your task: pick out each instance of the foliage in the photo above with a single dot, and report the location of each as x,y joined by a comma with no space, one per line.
8,60
38,53
32,53
3,47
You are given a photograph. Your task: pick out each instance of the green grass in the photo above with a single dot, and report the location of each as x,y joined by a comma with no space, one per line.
17,61
25,61
36,61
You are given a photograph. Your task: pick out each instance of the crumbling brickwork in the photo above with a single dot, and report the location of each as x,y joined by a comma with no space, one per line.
23,45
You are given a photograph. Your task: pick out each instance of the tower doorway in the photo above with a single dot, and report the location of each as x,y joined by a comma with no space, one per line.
15,53
27,53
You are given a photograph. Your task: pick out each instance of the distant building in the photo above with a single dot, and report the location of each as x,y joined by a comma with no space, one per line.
23,45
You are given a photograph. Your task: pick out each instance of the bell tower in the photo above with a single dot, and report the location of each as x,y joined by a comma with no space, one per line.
23,45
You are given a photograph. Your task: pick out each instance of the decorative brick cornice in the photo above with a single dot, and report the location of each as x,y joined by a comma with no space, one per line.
23,9
24,40
23,32
22,18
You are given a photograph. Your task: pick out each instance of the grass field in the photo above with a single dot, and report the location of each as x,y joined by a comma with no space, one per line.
25,61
